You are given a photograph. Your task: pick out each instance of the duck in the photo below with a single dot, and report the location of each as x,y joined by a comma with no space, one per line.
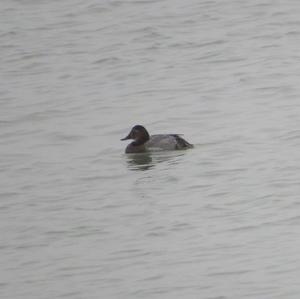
143,142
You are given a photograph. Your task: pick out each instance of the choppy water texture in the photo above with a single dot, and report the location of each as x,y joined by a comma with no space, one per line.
80,219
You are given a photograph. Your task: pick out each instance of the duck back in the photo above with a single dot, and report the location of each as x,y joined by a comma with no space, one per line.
167,142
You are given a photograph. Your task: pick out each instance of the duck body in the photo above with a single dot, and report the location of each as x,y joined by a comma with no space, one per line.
143,142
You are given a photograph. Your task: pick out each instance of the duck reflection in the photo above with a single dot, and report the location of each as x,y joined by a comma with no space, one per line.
148,160
141,161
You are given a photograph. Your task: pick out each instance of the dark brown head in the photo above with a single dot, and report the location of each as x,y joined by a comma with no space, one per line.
139,134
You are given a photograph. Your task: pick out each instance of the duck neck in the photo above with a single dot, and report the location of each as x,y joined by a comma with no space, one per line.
140,141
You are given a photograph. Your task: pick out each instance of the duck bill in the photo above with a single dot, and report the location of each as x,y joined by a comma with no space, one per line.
127,137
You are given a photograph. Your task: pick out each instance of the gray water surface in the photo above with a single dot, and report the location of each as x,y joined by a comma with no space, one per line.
80,219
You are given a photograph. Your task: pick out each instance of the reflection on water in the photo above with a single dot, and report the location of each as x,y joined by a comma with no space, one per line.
147,160
140,161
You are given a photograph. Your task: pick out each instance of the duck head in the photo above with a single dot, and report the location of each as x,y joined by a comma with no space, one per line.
139,134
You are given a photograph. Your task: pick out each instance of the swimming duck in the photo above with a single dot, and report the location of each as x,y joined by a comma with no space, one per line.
143,142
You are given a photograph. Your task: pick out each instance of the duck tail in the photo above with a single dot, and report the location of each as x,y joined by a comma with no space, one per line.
182,143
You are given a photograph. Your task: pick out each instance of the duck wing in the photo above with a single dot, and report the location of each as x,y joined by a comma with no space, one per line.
167,142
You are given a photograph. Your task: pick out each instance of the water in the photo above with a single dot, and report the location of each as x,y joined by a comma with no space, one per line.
80,219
